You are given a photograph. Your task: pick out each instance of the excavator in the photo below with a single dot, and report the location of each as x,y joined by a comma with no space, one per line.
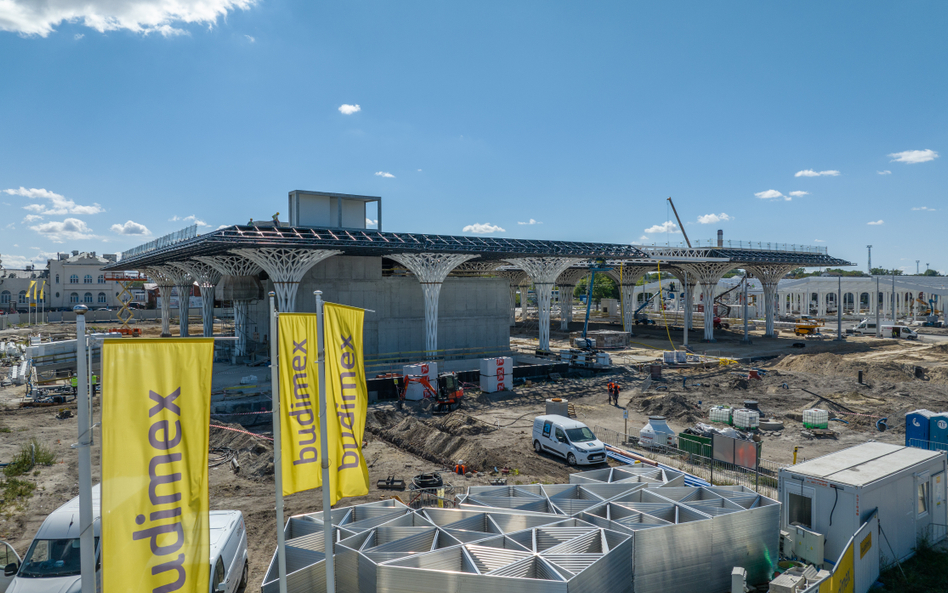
447,397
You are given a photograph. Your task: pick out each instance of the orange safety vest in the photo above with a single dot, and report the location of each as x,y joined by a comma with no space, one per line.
460,470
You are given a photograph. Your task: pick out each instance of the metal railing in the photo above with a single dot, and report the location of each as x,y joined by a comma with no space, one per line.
928,445
758,245
762,479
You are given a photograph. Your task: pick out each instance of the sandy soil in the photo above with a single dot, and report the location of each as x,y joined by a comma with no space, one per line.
494,430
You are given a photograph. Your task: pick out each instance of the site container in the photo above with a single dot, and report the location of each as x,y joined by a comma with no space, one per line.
815,418
745,419
918,428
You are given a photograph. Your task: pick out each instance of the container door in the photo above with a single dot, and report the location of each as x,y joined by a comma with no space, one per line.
923,504
939,507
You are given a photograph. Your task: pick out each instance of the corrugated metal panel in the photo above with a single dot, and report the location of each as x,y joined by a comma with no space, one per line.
571,506
488,559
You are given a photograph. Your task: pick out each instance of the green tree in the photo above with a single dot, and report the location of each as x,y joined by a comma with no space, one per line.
930,272
604,288
885,272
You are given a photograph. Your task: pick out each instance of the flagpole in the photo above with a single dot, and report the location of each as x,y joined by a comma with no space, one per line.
324,447
86,540
277,456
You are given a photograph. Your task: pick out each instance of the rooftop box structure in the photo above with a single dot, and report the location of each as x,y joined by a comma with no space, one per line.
835,494
330,210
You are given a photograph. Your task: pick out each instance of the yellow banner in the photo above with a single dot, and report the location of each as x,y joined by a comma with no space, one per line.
843,576
155,413
299,403
347,400
31,291
42,289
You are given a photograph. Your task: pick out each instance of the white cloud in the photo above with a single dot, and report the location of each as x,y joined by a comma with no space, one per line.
666,227
60,205
531,221
812,173
370,222
347,109
40,17
913,157
251,38
78,36
71,229
130,228
643,239
713,218
32,218
192,218
384,174
799,194
886,172
877,222
482,228
772,194
819,241
223,226
924,208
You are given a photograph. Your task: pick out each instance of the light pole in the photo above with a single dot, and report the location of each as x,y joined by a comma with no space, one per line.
916,267
870,257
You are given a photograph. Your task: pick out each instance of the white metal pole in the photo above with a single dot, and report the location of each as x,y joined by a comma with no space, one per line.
324,446
878,322
86,533
277,456
893,299
839,309
746,339
687,293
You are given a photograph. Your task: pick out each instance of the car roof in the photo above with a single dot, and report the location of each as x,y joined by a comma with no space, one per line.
222,523
561,420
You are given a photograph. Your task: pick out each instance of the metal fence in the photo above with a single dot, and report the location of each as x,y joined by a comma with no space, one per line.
928,445
762,479
762,245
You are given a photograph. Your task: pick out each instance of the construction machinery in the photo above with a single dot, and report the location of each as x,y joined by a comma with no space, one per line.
808,326
446,398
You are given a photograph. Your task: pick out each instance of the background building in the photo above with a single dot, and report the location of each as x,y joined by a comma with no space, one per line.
78,278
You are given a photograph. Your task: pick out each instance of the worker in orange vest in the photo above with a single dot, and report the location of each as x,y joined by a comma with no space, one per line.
459,468
611,387
615,392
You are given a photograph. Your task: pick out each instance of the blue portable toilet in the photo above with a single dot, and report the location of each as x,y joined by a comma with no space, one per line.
938,432
917,428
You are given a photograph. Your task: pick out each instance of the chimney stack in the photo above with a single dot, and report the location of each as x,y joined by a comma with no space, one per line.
720,237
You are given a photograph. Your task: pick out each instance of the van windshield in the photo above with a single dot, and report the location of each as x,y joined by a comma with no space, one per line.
52,558
580,435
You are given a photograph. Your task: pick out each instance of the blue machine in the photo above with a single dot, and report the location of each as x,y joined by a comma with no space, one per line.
918,428
938,431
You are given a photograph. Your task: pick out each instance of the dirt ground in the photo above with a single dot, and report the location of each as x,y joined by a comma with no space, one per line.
495,430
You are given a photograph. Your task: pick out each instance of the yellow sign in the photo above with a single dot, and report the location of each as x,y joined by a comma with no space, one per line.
865,545
155,414
843,574
299,403
347,400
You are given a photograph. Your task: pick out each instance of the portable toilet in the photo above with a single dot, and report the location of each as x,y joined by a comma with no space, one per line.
938,432
917,428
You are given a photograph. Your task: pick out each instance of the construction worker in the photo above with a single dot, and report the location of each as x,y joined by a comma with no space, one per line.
459,468
615,393
611,387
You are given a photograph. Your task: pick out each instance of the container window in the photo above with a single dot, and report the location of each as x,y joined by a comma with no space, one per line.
922,498
800,510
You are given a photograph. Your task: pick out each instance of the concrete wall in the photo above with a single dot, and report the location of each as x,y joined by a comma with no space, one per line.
473,312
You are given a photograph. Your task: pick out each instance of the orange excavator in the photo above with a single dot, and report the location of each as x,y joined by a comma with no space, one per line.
447,397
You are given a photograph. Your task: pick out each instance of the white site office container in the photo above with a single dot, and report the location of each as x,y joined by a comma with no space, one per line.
835,494
429,370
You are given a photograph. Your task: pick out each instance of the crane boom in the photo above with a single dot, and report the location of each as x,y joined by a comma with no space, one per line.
681,226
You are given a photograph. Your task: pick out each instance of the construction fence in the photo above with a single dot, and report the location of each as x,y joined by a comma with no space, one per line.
761,479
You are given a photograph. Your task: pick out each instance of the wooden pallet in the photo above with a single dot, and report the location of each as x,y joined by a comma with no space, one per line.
571,410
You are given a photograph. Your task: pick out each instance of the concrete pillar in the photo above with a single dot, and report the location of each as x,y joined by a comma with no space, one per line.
544,271
286,267
769,277
164,299
184,305
708,275
236,266
567,281
207,278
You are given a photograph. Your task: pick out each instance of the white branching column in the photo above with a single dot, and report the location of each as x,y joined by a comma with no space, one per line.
514,277
183,283
286,267
207,278
544,272
431,269
688,284
708,275
627,278
165,284
566,282
769,275
236,266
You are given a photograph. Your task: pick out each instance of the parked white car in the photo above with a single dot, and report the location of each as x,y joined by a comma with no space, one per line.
568,438
52,561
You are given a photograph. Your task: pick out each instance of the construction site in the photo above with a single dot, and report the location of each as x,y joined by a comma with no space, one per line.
703,392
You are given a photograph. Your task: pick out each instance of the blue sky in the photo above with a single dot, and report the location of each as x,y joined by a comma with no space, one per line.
118,124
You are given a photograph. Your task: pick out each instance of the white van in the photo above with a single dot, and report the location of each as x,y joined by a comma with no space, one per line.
52,561
899,331
568,438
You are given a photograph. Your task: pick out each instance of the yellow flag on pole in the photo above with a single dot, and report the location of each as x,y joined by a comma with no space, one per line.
31,291
299,403
155,413
42,289
347,400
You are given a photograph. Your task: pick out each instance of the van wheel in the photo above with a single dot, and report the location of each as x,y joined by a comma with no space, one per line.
571,459
243,579
537,447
